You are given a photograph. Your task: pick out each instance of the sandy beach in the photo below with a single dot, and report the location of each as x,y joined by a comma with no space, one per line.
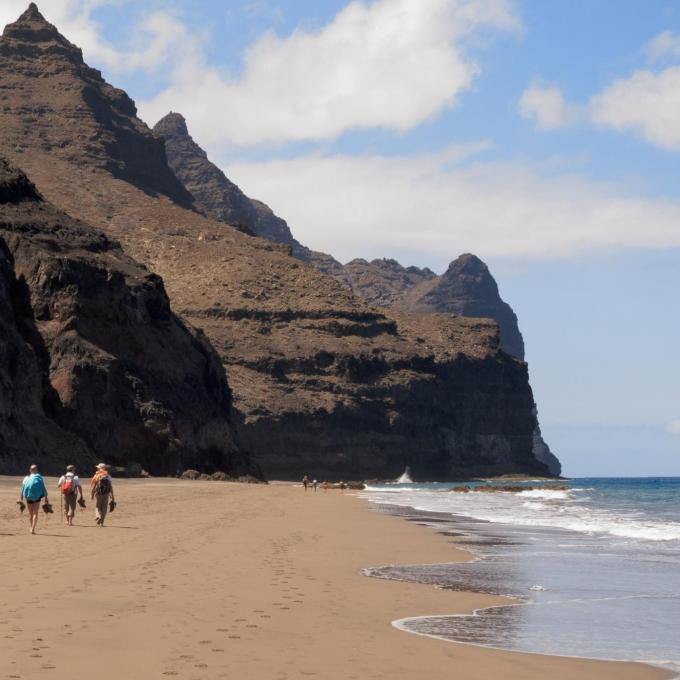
207,580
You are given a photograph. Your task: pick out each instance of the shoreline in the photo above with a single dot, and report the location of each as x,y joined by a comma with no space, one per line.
403,512
244,581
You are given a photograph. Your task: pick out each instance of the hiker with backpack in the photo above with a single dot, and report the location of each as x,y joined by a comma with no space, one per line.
102,493
33,490
70,487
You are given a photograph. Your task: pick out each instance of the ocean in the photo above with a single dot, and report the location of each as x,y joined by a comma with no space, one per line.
595,569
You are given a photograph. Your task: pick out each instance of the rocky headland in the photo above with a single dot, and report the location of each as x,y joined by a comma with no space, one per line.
467,288
95,360
322,381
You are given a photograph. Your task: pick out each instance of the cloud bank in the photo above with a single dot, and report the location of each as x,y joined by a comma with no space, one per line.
390,63
673,427
435,206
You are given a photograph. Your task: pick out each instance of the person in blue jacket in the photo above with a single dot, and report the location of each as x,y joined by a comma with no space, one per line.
33,490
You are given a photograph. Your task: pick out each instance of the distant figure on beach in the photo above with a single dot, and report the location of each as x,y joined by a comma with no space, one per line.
305,482
101,490
315,484
325,486
70,487
342,487
33,490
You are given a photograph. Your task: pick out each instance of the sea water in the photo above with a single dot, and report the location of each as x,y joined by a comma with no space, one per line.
595,569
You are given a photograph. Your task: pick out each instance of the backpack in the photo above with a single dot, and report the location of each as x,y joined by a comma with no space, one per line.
68,487
34,489
103,486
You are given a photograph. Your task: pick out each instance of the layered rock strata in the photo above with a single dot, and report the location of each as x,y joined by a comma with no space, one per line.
323,383
94,355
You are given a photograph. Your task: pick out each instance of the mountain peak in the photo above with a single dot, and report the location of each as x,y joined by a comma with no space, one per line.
467,263
32,30
32,14
172,124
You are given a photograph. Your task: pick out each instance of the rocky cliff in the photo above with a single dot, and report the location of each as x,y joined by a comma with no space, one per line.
95,355
466,288
322,382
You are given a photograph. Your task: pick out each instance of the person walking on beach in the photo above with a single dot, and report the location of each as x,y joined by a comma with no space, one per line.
342,487
101,491
33,490
305,482
315,483
70,487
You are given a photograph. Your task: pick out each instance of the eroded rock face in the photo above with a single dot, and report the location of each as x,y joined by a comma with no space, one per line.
101,352
322,382
73,113
466,288
27,434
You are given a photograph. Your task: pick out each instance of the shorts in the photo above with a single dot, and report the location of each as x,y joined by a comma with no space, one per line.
38,501
70,503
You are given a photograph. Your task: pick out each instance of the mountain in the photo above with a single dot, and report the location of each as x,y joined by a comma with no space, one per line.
96,365
322,382
467,288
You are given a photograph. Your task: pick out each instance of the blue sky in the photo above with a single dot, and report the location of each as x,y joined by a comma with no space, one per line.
544,136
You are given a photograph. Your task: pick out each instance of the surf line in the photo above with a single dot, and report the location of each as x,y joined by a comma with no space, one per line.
401,624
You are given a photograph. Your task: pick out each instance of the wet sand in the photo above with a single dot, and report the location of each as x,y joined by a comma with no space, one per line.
207,580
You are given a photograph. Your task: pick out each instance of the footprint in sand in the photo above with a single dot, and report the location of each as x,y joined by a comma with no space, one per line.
235,637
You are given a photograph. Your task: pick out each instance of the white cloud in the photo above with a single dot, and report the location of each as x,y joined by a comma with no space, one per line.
436,206
389,63
666,45
646,103
673,427
546,106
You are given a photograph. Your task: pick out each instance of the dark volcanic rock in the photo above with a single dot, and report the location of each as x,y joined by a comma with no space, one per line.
544,454
323,383
27,434
95,346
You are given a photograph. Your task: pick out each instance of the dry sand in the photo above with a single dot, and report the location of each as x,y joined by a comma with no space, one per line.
207,580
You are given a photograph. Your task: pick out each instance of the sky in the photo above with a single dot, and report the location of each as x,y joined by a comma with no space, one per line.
542,136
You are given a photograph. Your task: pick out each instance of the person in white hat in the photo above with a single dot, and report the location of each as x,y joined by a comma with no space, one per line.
101,491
